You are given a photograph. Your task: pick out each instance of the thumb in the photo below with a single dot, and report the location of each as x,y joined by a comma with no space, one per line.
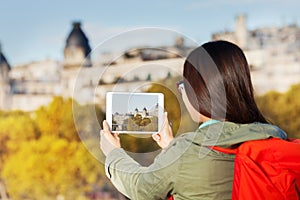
105,126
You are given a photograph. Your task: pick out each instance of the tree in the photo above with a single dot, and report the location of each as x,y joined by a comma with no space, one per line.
49,166
42,155
15,127
57,119
283,109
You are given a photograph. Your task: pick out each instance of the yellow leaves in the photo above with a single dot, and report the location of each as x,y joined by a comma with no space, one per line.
283,109
57,119
18,127
50,166
42,156
14,128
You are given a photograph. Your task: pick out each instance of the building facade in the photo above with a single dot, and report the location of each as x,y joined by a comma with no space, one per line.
5,82
273,54
31,85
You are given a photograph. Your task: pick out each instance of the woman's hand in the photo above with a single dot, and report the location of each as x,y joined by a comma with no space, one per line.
108,141
165,135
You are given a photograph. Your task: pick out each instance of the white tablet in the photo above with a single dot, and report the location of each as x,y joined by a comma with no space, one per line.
134,113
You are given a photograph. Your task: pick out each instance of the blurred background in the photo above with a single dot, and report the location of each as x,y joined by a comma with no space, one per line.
59,58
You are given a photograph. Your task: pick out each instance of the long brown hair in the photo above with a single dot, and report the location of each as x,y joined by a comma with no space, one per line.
218,83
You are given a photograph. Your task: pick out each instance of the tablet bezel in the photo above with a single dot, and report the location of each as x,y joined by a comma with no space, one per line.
109,110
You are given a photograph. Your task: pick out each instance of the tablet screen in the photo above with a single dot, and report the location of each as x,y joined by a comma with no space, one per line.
140,113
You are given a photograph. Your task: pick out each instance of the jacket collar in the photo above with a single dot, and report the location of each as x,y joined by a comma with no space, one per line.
226,134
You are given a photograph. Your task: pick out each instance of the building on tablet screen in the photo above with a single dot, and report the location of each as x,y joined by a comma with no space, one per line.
137,120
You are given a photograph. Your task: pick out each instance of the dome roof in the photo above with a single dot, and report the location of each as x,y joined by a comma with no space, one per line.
3,60
77,38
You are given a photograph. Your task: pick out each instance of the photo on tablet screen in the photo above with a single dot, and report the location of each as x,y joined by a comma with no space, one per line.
134,112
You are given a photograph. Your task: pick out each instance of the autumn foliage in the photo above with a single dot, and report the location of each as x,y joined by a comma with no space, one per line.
283,109
42,155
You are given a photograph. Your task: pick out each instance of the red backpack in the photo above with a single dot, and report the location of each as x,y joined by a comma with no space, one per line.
266,169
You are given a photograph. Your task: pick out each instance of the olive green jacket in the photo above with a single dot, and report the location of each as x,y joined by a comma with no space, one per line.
187,168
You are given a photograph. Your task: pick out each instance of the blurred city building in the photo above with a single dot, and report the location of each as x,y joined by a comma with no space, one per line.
273,54
77,50
5,84
31,85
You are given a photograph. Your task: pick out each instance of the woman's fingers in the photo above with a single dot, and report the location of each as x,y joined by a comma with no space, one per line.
165,135
156,137
108,141
166,120
116,136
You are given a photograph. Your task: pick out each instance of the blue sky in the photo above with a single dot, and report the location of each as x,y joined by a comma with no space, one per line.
128,103
36,30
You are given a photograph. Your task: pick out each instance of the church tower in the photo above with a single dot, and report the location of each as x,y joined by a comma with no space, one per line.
77,49
4,82
241,32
